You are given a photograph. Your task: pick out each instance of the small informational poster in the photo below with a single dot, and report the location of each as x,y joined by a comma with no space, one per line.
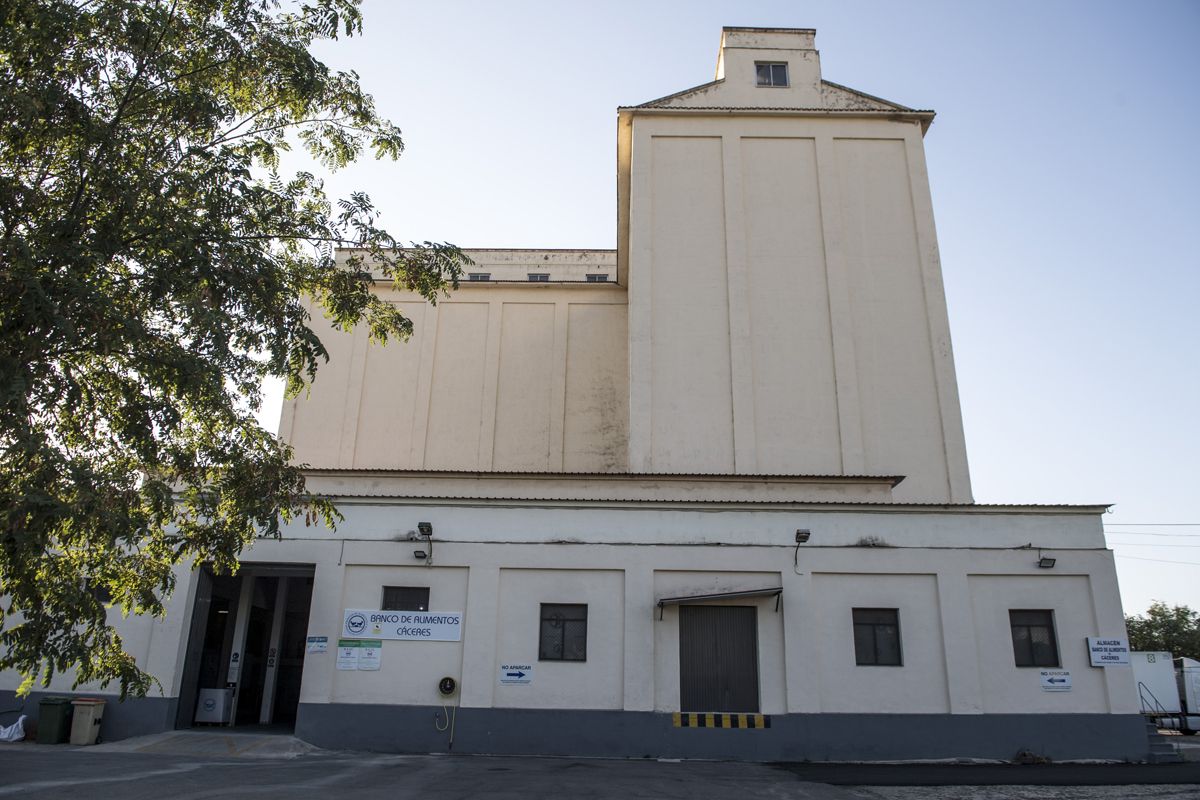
317,644
516,673
347,654
370,654
1056,680
360,654
1108,651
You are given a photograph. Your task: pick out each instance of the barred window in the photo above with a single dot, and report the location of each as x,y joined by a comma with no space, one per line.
563,632
877,637
1034,644
405,598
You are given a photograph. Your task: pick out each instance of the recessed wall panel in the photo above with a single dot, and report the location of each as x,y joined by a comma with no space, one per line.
320,412
901,422
596,426
522,436
389,396
691,400
455,402
795,397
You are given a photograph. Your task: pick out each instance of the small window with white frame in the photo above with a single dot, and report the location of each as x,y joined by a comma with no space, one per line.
539,277
597,278
771,73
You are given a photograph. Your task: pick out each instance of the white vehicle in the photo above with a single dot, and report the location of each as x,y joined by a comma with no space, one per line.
1168,689
1187,679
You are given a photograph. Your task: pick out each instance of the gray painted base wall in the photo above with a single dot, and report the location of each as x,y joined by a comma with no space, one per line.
133,717
791,737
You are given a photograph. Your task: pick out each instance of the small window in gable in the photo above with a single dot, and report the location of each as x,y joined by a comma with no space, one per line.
771,73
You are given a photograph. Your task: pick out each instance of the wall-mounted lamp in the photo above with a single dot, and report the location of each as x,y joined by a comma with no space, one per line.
802,535
426,531
1046,562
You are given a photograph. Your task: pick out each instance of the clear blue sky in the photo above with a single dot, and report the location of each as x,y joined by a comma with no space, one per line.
1066,188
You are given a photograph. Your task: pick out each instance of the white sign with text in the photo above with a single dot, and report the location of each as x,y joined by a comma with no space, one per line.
408,626
1108,652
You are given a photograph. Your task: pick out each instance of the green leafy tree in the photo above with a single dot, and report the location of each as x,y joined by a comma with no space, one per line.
155,268
1172,628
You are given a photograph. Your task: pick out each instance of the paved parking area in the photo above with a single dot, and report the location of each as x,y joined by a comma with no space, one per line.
192,766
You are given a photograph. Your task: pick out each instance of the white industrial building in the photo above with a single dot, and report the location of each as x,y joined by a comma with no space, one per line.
705,495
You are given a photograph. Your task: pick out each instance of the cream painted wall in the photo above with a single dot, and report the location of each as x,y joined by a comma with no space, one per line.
772,691
597,682
786,310
496,562
409,671
919,685
527,377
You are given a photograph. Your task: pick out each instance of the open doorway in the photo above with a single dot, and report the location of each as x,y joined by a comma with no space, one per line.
245,656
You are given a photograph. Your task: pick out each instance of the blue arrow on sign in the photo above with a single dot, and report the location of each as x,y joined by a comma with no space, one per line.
1056,680
514,674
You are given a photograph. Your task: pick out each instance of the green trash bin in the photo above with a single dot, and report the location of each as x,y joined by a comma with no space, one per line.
54,720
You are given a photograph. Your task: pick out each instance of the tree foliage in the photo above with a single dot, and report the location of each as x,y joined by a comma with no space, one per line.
1172,628
155,266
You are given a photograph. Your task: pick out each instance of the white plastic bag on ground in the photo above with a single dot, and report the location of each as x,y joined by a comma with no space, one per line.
14,732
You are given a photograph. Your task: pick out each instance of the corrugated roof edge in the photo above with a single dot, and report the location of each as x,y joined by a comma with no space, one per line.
894,105
813,505
742,477
808,109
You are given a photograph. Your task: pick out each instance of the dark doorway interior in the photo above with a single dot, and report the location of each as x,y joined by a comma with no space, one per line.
248,637
718,659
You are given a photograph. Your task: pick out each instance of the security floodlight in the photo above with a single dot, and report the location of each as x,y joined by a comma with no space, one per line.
420,554
802,535
1046,562
426,528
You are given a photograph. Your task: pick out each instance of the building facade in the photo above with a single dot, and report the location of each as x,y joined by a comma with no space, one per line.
705,495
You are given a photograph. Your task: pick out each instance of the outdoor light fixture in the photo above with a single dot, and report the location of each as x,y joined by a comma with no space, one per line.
802,535
426,531
1046,562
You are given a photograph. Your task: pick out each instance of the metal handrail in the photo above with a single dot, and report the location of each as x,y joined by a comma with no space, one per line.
1157,709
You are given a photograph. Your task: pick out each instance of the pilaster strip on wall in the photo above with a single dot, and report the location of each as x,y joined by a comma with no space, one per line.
558,386
480,637
352,409
420,421
801,616
638,694
964,688
641,310
741,351
491,386
841,320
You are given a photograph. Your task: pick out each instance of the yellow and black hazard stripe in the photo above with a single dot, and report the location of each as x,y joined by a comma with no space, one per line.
687,719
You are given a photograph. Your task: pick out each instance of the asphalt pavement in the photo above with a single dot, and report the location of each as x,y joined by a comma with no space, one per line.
200,766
